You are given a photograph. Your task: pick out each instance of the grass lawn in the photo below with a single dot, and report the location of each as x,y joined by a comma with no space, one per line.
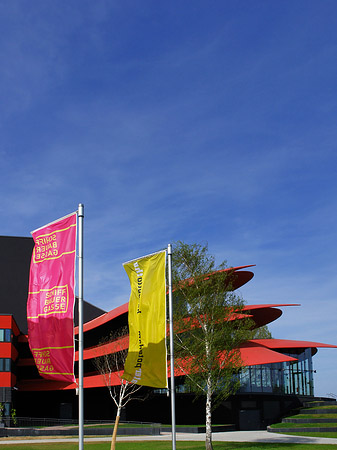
155,445
313,416
302,425
322,407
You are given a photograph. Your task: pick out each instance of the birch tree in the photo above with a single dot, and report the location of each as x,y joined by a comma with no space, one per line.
209,326
109,362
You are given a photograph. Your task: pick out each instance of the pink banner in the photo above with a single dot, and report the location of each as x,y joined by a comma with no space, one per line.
51,299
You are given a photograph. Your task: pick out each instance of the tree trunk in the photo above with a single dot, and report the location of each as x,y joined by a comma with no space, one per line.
118,415
208,441
114,434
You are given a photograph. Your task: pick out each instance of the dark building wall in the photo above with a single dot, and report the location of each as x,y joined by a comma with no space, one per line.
44,404
15,255
244,412
90,312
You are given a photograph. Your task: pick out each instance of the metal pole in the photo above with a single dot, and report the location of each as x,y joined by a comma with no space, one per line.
172,384
80,327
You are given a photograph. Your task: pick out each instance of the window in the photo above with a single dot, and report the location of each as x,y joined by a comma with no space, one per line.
8,335
5,335
293,377
5,365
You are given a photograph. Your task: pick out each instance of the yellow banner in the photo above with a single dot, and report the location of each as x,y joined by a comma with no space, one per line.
146,363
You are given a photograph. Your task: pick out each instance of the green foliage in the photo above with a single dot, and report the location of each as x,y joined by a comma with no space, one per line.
261,333
13,416
2,410
206,336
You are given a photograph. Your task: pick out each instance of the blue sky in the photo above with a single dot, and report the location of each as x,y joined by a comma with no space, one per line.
196,121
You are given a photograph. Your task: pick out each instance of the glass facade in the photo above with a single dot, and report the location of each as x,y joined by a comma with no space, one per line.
292,377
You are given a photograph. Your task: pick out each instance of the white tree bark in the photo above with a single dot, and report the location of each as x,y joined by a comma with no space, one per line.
118,415
209,445
209,390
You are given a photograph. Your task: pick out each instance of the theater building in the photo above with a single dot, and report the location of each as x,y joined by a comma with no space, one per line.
278,376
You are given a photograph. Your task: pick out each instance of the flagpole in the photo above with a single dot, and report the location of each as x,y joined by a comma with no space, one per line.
80,327
172,384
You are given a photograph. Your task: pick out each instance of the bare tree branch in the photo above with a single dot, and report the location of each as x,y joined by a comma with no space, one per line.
109,362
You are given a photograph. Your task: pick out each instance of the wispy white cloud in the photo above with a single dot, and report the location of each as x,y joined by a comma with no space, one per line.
201,124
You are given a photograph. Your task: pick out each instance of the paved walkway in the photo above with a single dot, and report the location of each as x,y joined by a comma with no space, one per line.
229,436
